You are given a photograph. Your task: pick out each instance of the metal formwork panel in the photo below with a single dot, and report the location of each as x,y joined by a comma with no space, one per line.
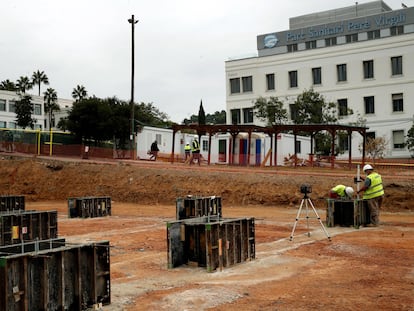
347,213
193,206
12,203
89,207
66,278
16,227
211,244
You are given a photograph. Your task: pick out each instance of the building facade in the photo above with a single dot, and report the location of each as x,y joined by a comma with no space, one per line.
8,113
361,58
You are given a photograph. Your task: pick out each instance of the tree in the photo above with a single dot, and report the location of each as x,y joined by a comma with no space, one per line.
38,78
23,84
310,107
271,111
201,119
410,140
79,93
24,110
50,100
375,148
219,117
8,85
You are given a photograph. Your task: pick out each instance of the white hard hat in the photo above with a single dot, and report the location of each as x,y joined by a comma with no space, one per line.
367,167
349,191
187,143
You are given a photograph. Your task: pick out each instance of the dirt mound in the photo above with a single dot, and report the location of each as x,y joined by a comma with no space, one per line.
145,182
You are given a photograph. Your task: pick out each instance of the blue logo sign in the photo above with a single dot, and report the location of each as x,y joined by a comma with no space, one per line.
270,41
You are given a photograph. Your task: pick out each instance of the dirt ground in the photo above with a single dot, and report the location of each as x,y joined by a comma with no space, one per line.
370,268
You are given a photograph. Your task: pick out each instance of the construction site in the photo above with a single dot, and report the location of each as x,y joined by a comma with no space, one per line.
138,235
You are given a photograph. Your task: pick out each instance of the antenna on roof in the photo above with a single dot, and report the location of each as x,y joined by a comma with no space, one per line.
356,8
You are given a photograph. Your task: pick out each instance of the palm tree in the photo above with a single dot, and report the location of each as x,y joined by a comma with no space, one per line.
50,100
39,77
8,85
79,93
23,84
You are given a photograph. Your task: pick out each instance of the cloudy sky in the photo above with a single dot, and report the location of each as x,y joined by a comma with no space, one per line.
180,45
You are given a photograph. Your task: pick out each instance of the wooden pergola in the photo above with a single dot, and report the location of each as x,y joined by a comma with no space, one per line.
273,131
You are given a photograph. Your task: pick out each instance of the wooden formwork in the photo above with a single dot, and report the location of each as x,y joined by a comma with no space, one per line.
86,207
211,244
12,203
193,206
16,227
72,278
347,213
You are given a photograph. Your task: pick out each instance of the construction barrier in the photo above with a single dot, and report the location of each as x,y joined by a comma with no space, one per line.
87,207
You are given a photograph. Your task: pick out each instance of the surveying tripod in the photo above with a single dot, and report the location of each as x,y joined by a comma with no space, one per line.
307,201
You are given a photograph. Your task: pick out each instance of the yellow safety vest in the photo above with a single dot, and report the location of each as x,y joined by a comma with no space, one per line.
187,148
375,189
339,189
196,146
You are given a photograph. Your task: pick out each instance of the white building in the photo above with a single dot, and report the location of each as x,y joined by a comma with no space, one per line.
360,57
8,116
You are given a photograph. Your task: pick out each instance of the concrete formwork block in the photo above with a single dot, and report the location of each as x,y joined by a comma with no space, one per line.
65,278
88,207
12,203
211,244
347,213
194,206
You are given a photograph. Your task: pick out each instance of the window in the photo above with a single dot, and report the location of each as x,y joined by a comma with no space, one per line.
375,34
398,139
270,81
352,38
317,75
343,107
247,83
12,106
235,116
330,41
341,71
248,115
298,146
369,104
370,135
12,125
396,65
158,138
37,109
368,69
37,126
234,85
2,105
204,145
396,30
293,78
293,112
344,142
292,47
310,45
3,124
397,102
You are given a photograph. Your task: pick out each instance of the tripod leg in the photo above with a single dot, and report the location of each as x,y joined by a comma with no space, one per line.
320,221
296,221
307,217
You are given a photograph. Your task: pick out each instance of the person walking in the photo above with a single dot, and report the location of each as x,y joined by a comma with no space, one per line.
154,151
342,192
195,152
373,192
187,151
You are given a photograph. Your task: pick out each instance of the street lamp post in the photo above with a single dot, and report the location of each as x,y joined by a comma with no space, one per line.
132,21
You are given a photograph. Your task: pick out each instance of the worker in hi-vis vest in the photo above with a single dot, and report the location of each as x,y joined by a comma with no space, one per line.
373,192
